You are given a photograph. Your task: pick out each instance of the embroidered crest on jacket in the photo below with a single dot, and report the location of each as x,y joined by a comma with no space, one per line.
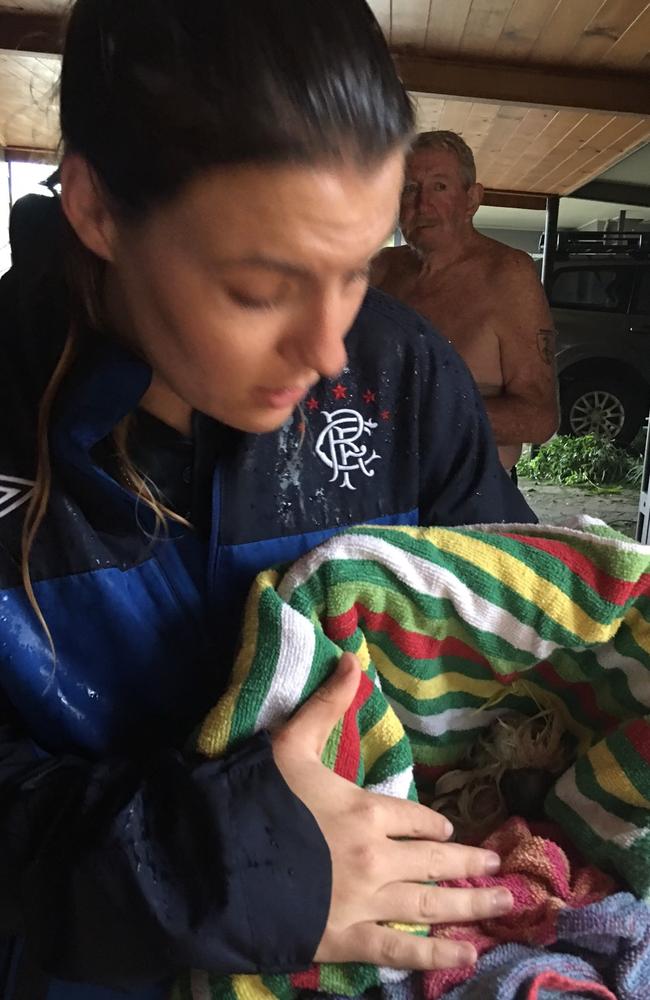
340,446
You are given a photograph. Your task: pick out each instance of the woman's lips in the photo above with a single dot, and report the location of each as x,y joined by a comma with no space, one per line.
280,399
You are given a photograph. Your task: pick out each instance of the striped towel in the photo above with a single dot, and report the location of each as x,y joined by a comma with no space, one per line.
453,628
602,951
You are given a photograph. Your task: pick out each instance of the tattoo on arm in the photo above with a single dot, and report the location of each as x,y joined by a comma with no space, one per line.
546,346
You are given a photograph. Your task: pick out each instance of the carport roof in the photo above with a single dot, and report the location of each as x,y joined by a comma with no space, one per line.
549,93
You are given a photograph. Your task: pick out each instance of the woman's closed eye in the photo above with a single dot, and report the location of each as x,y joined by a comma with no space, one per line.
266,296
250,302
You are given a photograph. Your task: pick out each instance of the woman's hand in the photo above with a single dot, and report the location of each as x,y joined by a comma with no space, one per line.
376,877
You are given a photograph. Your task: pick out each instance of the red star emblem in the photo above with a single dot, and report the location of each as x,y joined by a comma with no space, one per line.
369,396
385,414
339,392
312,404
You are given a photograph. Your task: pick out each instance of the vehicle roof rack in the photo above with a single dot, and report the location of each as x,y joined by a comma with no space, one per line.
571,243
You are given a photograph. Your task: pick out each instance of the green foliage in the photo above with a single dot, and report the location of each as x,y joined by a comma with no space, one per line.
582,461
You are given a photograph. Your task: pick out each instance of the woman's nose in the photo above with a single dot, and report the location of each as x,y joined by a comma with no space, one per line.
320,343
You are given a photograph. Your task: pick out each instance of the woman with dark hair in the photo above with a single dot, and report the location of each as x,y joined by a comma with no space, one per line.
222,393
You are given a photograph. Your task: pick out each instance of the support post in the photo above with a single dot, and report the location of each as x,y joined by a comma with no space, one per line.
550,239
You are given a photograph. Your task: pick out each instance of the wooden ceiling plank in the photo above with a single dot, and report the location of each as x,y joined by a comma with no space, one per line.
409,24
446,25
429,111
505,125
484,165
525,84
602,140
531,127
484,26
632,140
549,145
28,100
489,159
632,50
523,27
455,114
574,130
563,29
479,125
605,29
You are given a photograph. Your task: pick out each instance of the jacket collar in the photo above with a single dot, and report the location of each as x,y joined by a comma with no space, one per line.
106,383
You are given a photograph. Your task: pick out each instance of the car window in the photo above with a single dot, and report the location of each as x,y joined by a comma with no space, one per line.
601,288
642,297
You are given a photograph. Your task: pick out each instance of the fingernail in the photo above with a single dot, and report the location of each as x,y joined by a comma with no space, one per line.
501,901
466,954
492,864
447,830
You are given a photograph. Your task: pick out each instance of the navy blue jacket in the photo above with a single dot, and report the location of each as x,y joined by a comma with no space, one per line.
122,857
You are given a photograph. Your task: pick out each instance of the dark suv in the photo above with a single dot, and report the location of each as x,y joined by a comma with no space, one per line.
600,296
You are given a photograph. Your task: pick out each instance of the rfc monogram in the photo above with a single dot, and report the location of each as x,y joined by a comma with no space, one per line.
340,446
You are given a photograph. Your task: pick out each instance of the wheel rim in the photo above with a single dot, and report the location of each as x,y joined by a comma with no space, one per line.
597,412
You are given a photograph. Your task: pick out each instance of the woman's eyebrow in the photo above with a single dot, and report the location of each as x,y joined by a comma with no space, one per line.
268,264
277,265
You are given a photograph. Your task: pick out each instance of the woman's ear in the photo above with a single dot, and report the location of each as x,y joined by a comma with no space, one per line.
85,207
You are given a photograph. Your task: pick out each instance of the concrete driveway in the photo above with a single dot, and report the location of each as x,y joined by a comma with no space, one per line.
553,504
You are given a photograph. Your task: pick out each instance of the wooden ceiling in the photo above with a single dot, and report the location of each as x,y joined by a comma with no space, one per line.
535,149
511,48
611,33
549,93
28,101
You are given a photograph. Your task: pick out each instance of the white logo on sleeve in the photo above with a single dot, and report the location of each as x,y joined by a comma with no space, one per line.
338,446
14,493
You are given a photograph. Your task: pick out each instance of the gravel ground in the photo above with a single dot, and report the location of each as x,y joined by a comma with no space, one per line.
553,504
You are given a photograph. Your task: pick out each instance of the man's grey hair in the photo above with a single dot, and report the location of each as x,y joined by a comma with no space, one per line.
450,142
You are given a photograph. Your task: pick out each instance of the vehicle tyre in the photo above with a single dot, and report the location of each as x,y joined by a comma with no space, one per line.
603,405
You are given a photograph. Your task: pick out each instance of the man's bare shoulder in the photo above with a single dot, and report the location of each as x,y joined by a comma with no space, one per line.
515,291
506,265
393,262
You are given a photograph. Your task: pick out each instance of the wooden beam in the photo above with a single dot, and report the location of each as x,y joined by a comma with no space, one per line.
28,154
529,86
31,33
514,199
615,192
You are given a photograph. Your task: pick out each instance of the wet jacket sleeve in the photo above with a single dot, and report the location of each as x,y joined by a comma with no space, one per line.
121,873
462,480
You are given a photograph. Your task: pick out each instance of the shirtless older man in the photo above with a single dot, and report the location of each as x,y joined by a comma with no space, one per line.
484,296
